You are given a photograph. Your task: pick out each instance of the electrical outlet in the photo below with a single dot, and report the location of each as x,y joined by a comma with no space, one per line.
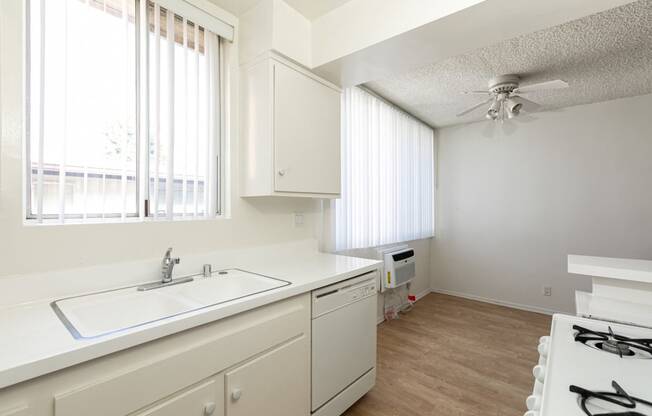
298,219
547,291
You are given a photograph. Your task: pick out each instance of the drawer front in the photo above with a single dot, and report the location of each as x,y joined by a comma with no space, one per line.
203,400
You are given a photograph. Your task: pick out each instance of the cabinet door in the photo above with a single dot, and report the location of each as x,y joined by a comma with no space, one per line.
276,383
306,133
203,400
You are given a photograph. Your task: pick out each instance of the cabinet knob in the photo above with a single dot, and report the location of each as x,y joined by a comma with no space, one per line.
533,402
539,373
281,172
543,349
236,394
209,408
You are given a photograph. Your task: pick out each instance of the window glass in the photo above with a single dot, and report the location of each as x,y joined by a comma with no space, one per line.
82,107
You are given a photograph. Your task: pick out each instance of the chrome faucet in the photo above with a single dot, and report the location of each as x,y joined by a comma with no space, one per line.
167,266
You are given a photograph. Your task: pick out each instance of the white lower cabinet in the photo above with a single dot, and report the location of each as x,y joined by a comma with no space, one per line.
271,384
254,363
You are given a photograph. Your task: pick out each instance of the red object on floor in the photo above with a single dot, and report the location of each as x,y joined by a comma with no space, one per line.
412,298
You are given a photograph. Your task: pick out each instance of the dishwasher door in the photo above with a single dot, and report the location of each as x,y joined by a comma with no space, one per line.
343,336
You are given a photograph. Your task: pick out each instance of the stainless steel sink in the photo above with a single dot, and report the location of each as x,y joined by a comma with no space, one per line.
98,314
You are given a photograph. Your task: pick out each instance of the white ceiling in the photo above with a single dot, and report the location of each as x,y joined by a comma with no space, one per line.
603,57
311,9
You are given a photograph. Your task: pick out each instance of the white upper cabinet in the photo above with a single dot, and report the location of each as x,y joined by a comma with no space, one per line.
290,131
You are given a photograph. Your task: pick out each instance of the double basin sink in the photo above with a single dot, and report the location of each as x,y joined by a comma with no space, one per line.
103,313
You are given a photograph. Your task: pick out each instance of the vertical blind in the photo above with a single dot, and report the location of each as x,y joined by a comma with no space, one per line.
184,116
124,111
388,168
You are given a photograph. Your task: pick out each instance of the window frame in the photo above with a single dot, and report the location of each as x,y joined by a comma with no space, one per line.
142,129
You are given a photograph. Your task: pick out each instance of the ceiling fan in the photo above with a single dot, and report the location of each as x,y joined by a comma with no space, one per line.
505,99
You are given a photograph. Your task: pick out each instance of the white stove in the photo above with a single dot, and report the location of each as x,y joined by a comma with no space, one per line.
592,365
579,353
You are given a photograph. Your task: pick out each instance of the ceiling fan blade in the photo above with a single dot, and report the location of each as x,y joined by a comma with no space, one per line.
475,107
528,105
548,85
476,92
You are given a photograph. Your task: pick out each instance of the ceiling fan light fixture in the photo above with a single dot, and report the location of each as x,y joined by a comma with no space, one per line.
504,95
494,110
514,107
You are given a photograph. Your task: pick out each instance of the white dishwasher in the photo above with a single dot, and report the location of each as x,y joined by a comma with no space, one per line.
343,343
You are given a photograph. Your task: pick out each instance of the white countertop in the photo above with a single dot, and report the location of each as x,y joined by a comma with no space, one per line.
614,268
35,342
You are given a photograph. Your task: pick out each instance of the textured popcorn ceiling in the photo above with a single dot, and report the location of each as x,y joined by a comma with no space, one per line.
603,57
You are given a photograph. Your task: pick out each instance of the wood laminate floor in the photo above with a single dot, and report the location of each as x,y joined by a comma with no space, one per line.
455,357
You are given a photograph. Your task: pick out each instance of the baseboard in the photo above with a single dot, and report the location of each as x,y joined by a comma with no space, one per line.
520,306
423,293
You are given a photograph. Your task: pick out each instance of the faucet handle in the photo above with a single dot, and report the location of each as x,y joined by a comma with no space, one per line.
207,270
168,252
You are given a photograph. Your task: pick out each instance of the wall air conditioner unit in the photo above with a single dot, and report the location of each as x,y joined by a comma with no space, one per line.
400,268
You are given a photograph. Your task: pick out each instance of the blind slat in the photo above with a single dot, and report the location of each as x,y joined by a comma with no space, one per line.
157,106
186,120
127,109
207,49
169,183
196,181
64,118
41,132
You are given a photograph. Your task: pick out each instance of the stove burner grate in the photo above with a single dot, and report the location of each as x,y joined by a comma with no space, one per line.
619,398
620,345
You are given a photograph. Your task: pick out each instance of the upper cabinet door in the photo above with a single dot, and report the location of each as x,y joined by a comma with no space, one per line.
306,133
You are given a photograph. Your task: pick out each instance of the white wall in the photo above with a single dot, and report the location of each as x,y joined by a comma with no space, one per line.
273,24
25,249
512,206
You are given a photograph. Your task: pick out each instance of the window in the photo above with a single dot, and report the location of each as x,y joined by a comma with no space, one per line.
123,110
388,167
